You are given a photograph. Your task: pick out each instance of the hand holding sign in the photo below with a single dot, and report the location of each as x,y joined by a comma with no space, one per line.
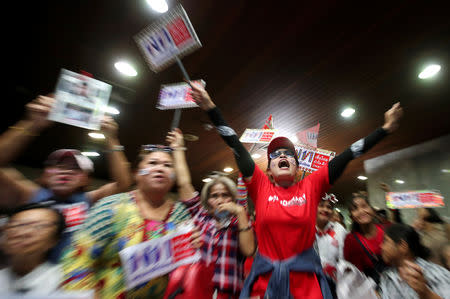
37,111
109,127
392,118
201,97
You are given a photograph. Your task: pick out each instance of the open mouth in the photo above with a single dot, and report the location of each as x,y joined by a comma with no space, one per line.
283,164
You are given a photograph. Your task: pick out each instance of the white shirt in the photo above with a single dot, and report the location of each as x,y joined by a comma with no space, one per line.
330,245
43,280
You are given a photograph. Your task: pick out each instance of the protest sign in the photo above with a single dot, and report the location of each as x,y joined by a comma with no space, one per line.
80,100
414,199
311,160
170,37
156,257
257,136
177,95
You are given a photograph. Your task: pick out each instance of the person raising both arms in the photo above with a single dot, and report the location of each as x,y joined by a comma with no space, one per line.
286,264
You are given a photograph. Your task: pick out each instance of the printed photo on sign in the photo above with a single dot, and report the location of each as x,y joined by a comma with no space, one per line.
80,100
157,257
172,35
177,95
257,136
311,160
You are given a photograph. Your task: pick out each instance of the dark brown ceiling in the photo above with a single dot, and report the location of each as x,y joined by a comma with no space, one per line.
301,61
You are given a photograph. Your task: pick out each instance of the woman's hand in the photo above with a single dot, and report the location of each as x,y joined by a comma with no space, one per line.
412,274
175,138
37,111
201,96
231,207
392,118
109,127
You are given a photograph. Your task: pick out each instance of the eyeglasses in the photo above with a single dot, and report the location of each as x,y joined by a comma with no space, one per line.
156,148
277,153
35,226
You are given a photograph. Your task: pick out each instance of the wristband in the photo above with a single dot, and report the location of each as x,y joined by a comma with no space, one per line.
249,227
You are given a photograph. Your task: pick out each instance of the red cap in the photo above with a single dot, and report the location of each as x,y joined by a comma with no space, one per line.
280,142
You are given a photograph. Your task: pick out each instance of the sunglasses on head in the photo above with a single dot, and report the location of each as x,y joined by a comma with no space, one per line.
156,148
277,153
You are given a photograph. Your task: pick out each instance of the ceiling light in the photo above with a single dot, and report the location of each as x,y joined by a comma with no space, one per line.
362,178
90,154
256,156
96,135
158,5
430,71
347,112
207,180
399,181
445,170
125,68
111,110
228,169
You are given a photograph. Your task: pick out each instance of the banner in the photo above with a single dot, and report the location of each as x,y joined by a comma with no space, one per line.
257,136
80,100
153,258
54,295
309,136
311,160
172,35
414,199
177,95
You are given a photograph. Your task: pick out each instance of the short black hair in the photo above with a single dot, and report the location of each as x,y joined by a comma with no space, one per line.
398,232
433,216
60,222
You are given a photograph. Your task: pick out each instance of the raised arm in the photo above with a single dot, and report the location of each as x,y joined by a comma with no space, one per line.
119,167
391,123
176,141
14,140
243,159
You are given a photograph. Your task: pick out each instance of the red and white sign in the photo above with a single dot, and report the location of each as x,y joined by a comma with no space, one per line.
172,35
414,199
74,214
309,136
257,136
178,95
311,160
156,257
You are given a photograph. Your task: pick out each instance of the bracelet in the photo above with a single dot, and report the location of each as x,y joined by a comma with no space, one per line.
249,227
180,148
24,130
116,148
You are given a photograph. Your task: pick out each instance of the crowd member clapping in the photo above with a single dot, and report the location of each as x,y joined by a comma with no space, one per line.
121,221
227,233
66,171
30,233
330,238
362,245
410,276
286,264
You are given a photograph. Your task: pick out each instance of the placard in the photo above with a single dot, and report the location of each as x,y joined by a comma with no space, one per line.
147,260
311,160
80,100
172,35
257,136
414,199
177,95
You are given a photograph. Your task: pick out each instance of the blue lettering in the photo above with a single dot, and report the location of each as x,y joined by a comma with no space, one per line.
159,42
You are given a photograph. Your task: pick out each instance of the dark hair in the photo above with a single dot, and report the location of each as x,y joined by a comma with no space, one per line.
433,217
382,213
60,222
398,232
141,156
352,206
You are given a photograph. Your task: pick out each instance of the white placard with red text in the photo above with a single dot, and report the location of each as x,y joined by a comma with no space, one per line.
153,258
311,160
172,35
257,136
177,95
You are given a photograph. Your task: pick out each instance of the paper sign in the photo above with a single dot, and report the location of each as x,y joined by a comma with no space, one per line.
257,136
80,100
172,35
55,295
414,199
153,258
178,95
311,160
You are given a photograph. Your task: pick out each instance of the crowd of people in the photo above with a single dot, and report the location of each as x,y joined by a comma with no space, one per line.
59,237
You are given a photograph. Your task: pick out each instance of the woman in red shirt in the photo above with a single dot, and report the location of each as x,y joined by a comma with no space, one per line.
286,264
362,246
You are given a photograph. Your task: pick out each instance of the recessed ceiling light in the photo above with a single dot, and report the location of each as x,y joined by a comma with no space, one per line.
445,170
112,110
90,154
347,112
256,156
125,68
430,71
207,180
228,169
362,178
399,181
158,5
96,135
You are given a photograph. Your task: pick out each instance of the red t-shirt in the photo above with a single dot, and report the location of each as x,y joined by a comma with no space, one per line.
355,254
286,225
